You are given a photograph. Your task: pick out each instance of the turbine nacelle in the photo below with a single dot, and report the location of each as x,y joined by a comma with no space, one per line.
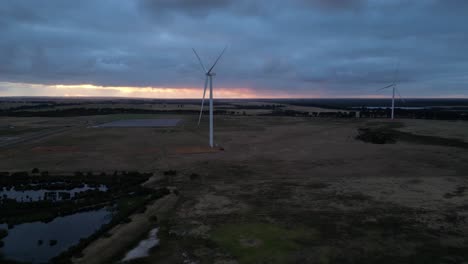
394,88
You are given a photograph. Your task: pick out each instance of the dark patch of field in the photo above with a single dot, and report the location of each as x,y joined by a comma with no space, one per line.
386,133
142,123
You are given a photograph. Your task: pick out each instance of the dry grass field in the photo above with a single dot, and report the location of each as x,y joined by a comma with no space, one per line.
281,189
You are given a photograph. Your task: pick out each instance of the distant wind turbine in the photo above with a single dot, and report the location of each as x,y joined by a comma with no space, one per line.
208,79
394,90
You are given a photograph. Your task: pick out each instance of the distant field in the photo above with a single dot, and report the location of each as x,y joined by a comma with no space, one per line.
441,109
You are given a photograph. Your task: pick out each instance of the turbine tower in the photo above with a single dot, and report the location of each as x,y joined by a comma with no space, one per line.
208,81
394,89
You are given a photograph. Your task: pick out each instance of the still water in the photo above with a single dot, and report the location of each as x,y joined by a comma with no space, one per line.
23,242
143,248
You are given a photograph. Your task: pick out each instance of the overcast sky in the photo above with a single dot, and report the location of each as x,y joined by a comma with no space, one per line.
276,48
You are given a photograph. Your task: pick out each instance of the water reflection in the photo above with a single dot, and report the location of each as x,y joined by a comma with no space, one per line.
38,242
143,248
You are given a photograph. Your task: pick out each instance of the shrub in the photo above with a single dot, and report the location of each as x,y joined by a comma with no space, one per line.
170,172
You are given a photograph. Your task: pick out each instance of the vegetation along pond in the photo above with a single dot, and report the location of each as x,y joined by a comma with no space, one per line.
28,195
51,218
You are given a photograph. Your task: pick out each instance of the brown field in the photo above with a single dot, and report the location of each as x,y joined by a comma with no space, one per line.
283,190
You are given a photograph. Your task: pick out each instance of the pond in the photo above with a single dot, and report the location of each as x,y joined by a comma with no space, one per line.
44,194
38,242
143,248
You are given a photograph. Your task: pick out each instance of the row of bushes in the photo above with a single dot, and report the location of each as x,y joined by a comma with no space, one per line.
312,114
24,180
96,111
118,185
438,114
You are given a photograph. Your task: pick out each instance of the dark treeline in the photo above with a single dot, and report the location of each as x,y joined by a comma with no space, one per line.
312,114
454,109
439,114
59,101
262,106
36,180
91,111
430,113
40,106
352,103
433,113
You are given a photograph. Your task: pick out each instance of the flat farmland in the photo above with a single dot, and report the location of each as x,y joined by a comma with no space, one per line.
282,189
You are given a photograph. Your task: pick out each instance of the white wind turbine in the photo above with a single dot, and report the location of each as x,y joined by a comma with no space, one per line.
208,79
394,90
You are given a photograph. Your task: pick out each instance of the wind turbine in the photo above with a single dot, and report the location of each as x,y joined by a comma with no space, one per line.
208,80
394,90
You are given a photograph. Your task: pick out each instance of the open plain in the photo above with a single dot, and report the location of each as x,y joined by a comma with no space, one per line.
277,189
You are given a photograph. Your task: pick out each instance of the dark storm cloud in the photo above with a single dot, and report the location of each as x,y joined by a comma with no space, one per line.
192,7
337,4
333,47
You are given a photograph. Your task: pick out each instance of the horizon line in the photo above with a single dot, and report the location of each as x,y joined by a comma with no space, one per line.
220,98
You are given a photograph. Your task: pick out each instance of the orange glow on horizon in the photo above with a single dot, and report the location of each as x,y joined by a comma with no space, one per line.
8,89
165,92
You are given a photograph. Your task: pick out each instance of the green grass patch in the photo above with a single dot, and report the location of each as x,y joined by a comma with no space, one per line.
260,242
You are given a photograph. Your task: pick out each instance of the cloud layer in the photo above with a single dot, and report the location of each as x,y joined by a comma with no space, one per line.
304,47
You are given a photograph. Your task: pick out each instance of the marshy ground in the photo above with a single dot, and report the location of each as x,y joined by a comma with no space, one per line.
283,190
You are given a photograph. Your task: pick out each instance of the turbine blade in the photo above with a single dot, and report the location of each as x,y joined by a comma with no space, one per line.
199,60
397,72
214,64
386,87
203,100
399,95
